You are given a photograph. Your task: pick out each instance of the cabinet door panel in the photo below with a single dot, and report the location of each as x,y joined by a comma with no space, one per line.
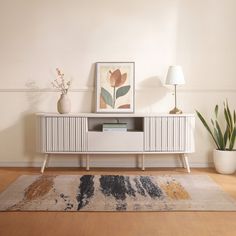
63,134
169,134
115,141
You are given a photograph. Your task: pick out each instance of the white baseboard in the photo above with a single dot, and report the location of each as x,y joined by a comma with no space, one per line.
102,163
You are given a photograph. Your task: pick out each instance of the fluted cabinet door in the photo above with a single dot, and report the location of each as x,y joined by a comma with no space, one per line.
169,134
62,134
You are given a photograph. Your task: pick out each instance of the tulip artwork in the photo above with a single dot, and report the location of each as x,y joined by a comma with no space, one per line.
115,87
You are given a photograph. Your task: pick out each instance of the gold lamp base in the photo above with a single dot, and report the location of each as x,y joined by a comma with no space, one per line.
175,111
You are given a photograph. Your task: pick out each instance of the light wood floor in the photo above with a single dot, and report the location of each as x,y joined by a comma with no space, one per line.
115,223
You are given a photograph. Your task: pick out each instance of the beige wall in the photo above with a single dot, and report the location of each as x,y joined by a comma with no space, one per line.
38,35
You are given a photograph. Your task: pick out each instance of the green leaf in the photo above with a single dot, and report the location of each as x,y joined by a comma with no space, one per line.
122,91
226,136
234,117
220,136
208,128
232,139
212,122
227,120
217,137
230,117
106,96
216,110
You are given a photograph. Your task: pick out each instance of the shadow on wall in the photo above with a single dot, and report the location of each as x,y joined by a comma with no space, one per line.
92,77
34,100
150,91
19,138
29,118
205,142
87,103
30,136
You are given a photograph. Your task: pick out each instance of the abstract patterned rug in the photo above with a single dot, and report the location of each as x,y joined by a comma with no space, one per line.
115,193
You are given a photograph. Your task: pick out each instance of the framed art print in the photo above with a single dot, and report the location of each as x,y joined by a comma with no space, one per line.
115,87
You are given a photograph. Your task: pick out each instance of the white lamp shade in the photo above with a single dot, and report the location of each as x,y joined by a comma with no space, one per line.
175,75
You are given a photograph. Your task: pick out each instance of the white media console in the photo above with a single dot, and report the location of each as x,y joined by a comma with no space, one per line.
146,134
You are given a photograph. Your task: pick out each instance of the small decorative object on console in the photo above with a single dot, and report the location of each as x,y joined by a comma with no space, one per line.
175,77
114,127
63,104
115,87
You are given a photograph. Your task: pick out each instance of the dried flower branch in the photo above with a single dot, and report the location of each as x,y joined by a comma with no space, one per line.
60,83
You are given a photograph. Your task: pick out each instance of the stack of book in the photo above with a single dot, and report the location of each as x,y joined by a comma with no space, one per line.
114,127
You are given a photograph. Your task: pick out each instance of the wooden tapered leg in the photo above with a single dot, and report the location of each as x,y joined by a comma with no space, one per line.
185,161
47,162
182,161
143,162
44,162
87,162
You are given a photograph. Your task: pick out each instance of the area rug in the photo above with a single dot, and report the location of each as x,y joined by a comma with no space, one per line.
115,193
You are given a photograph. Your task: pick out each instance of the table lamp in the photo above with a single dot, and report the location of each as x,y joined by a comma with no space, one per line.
175,77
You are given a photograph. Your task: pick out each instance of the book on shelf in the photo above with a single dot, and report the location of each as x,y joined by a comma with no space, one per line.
114,127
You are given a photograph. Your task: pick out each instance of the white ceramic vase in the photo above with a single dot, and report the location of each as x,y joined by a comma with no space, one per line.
64,104
225,161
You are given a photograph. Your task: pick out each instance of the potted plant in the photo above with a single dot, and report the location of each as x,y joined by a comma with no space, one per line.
224,155
63,104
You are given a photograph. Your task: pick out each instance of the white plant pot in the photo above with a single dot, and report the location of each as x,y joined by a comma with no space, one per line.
225,161
64,104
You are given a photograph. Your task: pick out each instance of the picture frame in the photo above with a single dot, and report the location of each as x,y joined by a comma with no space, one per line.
115,87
